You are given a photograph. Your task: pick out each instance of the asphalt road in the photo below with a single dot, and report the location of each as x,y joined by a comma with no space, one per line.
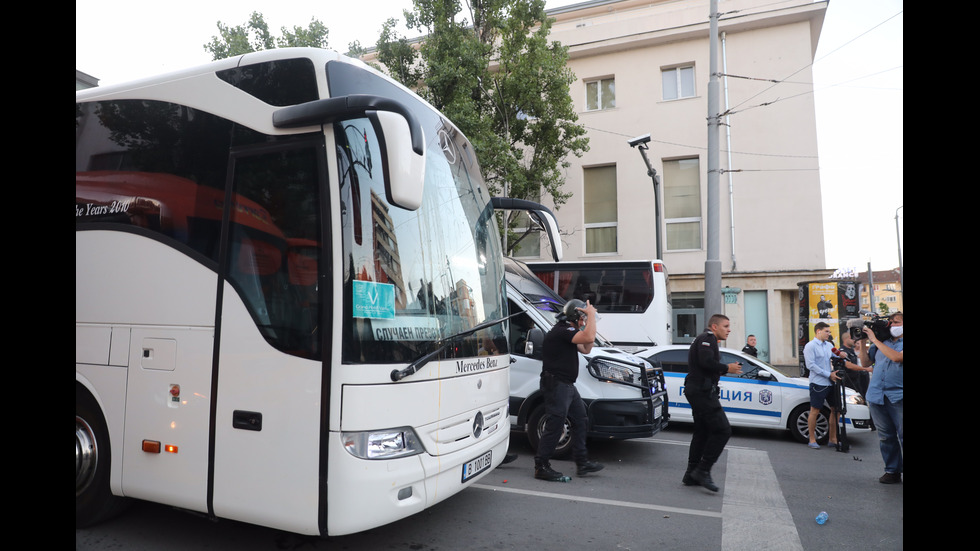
771,490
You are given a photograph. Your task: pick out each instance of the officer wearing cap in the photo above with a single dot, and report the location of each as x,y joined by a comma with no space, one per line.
574,332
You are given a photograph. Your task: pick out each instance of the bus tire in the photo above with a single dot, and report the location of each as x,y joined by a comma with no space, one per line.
798,424
94,501
535,428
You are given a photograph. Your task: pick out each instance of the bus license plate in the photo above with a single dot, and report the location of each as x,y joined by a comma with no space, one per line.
476,466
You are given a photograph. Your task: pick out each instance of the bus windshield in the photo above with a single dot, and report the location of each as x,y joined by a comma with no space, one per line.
412,278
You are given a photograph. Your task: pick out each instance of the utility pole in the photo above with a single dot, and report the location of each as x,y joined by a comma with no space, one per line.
712,263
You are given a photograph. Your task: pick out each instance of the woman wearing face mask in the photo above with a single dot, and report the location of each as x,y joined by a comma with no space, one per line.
885,396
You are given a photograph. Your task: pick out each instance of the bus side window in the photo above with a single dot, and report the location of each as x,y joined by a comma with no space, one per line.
275,235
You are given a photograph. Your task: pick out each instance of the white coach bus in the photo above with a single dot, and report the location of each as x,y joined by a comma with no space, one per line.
631,296
282,281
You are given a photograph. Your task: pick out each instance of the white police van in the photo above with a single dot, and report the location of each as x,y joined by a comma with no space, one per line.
759,397
625,396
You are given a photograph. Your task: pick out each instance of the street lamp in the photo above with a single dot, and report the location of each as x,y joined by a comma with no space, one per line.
641,142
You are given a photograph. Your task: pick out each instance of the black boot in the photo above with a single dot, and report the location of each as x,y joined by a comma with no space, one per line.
585,467
688,480
702,476
544,471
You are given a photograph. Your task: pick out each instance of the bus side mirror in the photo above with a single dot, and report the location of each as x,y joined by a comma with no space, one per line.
533,346
399,133
540,214
404,167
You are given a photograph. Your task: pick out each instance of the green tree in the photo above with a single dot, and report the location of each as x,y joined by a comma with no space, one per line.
493,72
255,36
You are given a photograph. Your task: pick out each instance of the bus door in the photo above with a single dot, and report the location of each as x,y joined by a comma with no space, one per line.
271,386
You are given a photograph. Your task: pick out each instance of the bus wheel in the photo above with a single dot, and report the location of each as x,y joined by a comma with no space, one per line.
94,501
801,431
535,428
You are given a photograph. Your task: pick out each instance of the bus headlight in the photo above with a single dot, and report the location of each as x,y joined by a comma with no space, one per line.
382,444
614,371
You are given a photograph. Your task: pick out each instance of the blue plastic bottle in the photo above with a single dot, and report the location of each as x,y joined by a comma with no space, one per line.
822,517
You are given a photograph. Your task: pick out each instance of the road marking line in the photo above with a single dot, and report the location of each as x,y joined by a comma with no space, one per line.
616,503
753,499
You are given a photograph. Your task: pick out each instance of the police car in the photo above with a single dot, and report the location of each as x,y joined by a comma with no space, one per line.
758,397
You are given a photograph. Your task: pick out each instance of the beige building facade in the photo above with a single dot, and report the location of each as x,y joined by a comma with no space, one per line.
643,68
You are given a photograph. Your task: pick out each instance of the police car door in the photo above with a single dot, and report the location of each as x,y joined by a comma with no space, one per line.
750,399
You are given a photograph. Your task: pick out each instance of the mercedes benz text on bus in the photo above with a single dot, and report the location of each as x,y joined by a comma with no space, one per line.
283,265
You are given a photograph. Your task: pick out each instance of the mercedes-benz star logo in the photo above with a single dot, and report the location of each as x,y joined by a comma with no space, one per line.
448,147
478,425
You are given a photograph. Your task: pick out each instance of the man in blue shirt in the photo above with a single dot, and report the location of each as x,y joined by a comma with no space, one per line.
817,355
885,394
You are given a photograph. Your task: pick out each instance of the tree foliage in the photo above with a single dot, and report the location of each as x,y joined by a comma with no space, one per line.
254,36
492,71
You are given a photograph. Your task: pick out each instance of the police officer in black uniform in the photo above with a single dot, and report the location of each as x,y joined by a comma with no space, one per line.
575,332
711,427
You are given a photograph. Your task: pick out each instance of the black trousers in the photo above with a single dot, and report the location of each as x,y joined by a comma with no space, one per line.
711,427
561,400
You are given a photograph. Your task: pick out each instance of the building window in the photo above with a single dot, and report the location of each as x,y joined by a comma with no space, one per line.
678,82
529,244
600,94
682,204
600,210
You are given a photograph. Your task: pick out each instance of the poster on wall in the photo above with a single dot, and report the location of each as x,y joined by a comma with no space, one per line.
831,302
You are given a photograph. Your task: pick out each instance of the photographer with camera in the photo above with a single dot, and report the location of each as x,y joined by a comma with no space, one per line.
885,394
817,355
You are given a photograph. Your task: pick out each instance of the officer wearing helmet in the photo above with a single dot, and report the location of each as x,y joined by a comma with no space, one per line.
574,332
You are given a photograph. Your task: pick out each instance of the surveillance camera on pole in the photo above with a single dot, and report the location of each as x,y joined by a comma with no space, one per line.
642,142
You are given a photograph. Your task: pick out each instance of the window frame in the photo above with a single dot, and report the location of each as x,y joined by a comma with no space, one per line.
678,82
699,219
599,100
604,224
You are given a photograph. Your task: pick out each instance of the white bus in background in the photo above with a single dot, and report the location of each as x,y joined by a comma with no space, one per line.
284,269
632,297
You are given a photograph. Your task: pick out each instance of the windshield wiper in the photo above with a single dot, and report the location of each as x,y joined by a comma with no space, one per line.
416,365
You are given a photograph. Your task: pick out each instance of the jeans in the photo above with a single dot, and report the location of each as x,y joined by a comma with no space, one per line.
559,402
888,422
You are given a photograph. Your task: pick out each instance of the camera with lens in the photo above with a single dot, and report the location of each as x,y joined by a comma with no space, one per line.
877,324
837,363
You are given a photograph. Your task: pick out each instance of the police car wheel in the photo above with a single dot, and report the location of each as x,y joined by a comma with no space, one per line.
800,430
535,428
